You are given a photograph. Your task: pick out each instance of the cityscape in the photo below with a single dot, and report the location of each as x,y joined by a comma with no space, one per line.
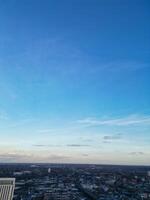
77,182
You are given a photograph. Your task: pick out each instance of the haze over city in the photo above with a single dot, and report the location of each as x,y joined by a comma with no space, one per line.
74,81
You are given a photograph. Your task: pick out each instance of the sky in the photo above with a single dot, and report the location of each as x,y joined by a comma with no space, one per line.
74,81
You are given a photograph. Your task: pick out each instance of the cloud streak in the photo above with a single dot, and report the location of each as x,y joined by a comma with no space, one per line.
68,145
78,145
45,145
122,121
31,157
112,137
136,153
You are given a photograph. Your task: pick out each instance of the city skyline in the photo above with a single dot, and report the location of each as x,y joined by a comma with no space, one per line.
74,81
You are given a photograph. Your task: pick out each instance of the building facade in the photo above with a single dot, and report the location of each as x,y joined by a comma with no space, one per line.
7,186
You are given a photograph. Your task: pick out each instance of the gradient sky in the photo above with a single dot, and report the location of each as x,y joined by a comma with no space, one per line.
75,81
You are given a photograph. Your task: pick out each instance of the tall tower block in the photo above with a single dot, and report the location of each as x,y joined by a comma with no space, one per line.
7,186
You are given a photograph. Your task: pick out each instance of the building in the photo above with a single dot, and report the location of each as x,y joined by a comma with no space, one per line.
7,186
49,170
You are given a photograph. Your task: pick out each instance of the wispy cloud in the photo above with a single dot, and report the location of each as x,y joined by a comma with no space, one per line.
45,145
124,66
78,145
3,115
14,157
134,153
47,130
55,145
70,127
57,157
112,137
121,121
85,155
23,122
107,141
31,157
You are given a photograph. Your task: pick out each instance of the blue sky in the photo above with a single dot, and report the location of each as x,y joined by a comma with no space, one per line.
74,81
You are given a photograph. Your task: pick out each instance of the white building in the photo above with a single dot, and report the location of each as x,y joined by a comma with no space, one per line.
7,186
49,170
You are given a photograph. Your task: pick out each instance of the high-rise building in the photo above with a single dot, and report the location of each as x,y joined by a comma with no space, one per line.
7,186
